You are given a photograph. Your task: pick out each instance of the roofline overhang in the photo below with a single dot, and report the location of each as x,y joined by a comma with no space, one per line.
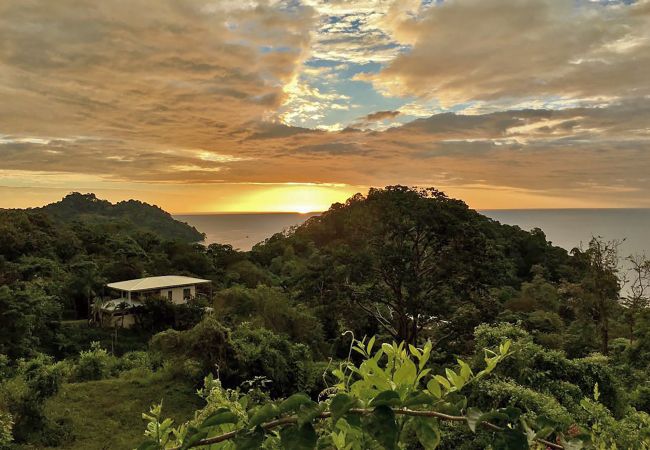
157,287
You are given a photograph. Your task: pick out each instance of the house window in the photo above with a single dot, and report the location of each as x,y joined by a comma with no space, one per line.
170,295
187,293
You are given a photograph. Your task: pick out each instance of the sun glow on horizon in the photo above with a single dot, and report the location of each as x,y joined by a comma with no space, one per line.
296,198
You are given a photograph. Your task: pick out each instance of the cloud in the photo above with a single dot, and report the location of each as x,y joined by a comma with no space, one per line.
376,120
164,75
550,99
467,50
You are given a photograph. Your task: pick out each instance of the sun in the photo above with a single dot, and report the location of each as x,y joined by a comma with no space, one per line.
304,209
289,197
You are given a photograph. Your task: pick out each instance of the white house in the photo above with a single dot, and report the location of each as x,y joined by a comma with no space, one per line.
177,289
119,311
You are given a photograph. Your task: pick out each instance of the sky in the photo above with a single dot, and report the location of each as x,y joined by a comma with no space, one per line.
226,106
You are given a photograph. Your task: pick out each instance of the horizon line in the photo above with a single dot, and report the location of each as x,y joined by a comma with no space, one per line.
208,213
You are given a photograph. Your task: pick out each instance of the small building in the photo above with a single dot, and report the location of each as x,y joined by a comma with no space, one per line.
177,289
121,311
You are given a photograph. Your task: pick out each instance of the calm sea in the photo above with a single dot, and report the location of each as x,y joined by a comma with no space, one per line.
567,228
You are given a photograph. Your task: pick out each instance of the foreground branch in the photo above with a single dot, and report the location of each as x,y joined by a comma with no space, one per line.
361,411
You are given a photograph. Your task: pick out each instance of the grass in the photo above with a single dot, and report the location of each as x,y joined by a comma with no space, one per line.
107,414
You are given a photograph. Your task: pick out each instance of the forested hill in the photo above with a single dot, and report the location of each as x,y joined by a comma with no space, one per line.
130,214
445,293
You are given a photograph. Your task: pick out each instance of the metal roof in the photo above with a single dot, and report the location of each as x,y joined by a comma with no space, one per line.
149,283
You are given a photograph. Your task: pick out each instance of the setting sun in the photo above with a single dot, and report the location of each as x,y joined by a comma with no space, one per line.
297,198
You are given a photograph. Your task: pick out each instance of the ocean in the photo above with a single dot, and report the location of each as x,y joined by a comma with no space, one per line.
566,228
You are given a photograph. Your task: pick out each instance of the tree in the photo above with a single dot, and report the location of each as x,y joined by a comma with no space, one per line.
85,283
412,255
638,295
600,284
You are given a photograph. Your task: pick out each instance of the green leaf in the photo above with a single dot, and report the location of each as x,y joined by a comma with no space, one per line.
434,388
427,432
299,437
443,381
219,417
250,441
473,418
415,351
389,398
406,373
309,412
340,405
418,398
465,370
264,414
371,343
504,347
426,353
381,425
455,379
293,403
193,436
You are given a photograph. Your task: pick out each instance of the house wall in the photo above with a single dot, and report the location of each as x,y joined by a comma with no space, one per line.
177,293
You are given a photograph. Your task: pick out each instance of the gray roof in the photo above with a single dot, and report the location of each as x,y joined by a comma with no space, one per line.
150,283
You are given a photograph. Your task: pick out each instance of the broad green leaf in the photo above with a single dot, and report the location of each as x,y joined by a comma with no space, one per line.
406,374
307,413
442,380
434,388
465,370
264,414
299,437
427,432
340,405
389,398
294,402
219,417
361,351
381,425
415,351
455,379
418,398
193,436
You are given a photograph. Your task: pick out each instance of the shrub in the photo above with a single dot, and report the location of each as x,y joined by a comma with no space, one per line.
272,309
94,364
501,393
260,352
6,426
641,398
135,360
24,395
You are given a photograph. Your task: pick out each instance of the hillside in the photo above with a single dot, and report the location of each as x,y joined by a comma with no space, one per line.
132,214
497,319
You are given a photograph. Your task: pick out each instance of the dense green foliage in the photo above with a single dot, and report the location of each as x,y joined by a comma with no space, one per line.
403,265
130,214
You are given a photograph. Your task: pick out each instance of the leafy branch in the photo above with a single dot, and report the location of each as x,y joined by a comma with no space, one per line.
373,403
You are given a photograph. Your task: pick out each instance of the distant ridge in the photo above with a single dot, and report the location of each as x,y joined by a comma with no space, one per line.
129,214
